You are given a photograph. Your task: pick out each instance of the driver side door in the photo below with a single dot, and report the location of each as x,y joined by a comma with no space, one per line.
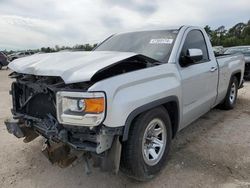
199,79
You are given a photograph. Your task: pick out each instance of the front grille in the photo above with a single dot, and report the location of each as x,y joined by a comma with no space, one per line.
35,95
40,106
30,101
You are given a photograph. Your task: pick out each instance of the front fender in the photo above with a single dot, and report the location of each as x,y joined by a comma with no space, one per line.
130,91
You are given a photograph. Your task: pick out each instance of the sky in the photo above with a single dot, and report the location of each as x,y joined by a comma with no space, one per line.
31,24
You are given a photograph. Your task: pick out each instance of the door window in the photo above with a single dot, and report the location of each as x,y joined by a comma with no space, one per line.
195,40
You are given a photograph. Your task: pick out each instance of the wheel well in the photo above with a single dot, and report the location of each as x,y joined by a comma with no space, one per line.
238,76
173,112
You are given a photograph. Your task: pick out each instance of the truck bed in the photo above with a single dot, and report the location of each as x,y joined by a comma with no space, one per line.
228,64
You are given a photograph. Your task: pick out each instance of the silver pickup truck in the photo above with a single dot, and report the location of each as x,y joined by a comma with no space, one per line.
121,104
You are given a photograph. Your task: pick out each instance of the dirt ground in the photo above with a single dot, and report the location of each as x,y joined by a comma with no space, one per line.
214,151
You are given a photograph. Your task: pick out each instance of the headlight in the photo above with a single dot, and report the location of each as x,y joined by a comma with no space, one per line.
80,109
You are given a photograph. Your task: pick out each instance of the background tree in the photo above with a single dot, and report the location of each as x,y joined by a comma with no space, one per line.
239,34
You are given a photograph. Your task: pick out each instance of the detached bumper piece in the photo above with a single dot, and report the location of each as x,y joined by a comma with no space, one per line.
14,128
20,130
58,153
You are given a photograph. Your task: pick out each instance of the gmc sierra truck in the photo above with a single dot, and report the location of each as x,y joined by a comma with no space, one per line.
120,105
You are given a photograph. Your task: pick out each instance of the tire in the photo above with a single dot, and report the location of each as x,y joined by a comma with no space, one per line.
230,100
137,160
1,66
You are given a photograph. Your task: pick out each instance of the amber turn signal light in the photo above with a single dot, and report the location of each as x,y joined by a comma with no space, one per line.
94,105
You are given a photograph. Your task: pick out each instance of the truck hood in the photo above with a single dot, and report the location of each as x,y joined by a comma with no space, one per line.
72,67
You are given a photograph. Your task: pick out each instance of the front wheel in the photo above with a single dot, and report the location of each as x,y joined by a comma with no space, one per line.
231,97
145,152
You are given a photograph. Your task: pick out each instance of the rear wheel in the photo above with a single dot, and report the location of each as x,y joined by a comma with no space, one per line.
231,97
144,153
1,66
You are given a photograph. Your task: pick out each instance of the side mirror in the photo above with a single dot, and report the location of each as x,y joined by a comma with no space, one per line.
195,54
192,55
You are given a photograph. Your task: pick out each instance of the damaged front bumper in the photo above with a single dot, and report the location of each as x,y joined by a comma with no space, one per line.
101,143
96,140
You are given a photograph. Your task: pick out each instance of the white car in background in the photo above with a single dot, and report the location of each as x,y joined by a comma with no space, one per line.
17,55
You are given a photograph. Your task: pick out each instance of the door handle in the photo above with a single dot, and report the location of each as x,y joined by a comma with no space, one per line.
213,69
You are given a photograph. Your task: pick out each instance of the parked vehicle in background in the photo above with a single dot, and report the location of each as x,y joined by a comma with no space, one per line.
124,102
218,49
3,60
245,50
19,55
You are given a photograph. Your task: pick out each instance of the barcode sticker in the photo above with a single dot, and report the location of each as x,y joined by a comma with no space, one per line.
161,41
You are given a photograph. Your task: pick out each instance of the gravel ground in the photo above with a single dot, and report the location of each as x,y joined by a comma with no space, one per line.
214,151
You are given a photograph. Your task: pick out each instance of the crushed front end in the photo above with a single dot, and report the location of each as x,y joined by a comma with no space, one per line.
67,116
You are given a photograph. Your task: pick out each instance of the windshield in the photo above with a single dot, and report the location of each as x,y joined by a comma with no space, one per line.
154,44
243,50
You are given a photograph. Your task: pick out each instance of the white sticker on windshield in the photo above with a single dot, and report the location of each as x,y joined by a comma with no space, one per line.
161,41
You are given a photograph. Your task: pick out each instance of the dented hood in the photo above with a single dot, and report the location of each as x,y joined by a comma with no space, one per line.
72,67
